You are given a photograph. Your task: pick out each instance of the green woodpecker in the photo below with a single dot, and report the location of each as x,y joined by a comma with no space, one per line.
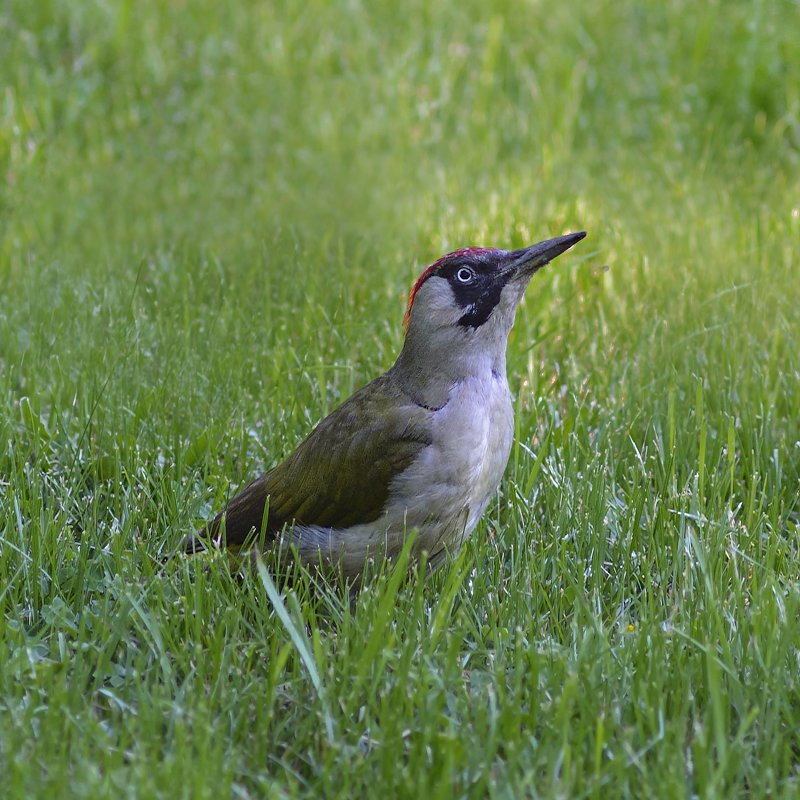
422,447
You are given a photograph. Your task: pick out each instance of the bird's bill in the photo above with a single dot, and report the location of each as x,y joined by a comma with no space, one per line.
530,259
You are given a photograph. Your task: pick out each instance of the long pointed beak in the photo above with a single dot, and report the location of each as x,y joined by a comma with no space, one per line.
530,259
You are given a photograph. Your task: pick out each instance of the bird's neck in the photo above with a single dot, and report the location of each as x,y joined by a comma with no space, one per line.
428,370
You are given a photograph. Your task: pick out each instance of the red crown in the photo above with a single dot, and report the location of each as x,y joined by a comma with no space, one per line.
464,251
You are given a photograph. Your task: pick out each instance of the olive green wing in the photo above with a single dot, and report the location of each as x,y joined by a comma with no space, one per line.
340,475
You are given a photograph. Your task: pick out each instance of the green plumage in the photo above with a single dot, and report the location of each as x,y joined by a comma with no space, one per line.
340,475
365,474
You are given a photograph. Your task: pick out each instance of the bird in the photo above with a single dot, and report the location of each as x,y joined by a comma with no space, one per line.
422,448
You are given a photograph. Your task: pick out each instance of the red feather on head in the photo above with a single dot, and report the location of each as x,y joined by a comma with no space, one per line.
464,251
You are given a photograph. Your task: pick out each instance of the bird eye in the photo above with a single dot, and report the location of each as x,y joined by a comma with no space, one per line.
465,275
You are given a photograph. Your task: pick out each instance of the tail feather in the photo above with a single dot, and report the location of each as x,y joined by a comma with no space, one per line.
212,534
195,543
246,516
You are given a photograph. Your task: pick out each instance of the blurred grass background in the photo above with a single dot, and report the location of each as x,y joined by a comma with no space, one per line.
210,215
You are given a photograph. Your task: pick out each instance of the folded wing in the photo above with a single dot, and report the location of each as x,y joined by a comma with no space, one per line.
337,477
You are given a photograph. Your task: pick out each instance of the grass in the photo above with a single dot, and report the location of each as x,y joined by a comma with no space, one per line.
209,217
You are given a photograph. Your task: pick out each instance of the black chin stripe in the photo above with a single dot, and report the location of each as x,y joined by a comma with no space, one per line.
480,309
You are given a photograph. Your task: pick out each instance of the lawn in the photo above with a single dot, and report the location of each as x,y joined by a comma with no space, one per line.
210,216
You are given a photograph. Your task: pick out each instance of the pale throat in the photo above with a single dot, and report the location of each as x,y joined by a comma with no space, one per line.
429,370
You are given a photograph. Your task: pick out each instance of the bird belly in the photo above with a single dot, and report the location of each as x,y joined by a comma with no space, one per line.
441,496
446,490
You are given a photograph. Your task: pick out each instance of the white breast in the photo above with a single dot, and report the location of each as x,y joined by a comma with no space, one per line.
442,494
445,492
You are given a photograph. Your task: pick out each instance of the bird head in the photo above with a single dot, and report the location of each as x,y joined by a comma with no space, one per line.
466,287
461,308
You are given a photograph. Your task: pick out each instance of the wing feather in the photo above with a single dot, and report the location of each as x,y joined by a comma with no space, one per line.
340,475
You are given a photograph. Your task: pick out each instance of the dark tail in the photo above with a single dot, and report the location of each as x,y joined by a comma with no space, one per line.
196,543
205,538
238,525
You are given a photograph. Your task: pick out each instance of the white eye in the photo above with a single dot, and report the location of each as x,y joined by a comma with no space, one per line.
465,275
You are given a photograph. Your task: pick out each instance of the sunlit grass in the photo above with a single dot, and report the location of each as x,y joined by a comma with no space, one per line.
209,217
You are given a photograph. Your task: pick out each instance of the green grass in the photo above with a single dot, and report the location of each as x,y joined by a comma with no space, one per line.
210,214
